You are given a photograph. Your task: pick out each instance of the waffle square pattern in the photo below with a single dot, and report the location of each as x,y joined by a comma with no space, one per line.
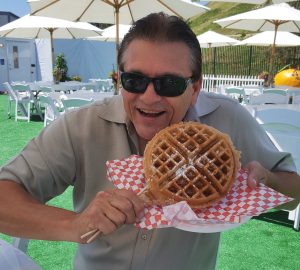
190,162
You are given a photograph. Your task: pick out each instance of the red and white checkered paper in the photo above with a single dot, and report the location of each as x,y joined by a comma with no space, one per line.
240,204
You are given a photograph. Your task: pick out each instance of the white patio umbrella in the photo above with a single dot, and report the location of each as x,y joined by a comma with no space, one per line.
109,33
266,39
211,39
278,17
45,27
113,11
255,2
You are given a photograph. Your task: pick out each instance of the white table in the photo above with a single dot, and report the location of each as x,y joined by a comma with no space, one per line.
252,109
88,95
62,86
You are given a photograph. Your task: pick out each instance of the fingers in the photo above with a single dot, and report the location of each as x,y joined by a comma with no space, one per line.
109,215
252,183
127,202
108,211
256,174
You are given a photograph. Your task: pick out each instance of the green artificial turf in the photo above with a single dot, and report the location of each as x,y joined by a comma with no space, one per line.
260,245
13,137
267,243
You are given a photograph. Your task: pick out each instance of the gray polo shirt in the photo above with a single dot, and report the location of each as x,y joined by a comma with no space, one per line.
73,151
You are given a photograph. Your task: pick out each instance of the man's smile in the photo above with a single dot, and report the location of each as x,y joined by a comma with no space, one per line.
150,113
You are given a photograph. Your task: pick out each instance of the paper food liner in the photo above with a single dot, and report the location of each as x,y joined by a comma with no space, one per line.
239,205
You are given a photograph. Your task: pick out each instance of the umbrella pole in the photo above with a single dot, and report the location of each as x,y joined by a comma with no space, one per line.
52,50
209,58
270,77
116,91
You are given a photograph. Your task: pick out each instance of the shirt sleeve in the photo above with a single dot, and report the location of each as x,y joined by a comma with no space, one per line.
41,165
246,134
255,144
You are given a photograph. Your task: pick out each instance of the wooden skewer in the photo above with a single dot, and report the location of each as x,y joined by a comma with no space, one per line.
96,232
88,233
93,236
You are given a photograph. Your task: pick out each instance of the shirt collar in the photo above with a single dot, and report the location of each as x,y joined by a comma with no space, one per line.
112,109
204,105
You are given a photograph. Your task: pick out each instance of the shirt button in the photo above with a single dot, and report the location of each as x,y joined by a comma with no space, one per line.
144,236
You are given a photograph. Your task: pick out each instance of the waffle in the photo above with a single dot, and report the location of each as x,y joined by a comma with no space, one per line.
191,162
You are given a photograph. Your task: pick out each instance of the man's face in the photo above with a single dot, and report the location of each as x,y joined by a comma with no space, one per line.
148,111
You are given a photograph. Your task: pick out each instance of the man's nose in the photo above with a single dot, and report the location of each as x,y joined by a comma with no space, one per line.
150,94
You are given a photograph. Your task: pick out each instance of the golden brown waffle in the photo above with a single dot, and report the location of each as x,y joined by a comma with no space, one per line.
192,162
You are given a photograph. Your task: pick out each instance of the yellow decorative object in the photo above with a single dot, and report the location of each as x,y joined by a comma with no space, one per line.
288,77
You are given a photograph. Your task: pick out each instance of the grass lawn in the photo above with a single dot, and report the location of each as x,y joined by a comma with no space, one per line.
258,244
13,137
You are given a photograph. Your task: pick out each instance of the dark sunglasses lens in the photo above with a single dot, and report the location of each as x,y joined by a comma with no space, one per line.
170,86
134,83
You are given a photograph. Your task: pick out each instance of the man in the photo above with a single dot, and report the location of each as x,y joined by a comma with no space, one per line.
160,63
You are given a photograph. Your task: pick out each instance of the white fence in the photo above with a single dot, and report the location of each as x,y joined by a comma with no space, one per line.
214,82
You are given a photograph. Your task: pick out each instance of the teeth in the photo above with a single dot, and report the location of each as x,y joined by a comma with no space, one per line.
148,111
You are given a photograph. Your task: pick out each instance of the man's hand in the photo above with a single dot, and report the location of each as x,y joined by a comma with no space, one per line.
287,183
257,174
108,211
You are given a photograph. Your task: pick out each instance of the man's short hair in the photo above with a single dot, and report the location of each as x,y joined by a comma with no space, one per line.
164,28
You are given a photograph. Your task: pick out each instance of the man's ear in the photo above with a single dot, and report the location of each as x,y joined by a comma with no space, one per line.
196,88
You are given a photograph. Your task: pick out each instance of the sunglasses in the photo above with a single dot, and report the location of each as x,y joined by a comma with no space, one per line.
166,86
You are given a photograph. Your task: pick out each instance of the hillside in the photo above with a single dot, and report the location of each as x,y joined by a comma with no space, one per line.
242,60
205,22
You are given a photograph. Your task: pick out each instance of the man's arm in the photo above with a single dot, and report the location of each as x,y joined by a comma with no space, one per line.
23,216
287,183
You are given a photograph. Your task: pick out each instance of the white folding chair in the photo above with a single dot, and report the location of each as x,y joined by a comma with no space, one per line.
21,243
89,86
283,128
73,103
11,98
268,98
104,85
86,94
296,99
237,93
101,95
51,110
252,90
23,91
45,89
22,103
275,91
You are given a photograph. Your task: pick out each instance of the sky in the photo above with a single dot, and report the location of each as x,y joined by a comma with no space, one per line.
18,7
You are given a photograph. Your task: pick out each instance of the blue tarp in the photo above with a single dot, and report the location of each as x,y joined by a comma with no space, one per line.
87,58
